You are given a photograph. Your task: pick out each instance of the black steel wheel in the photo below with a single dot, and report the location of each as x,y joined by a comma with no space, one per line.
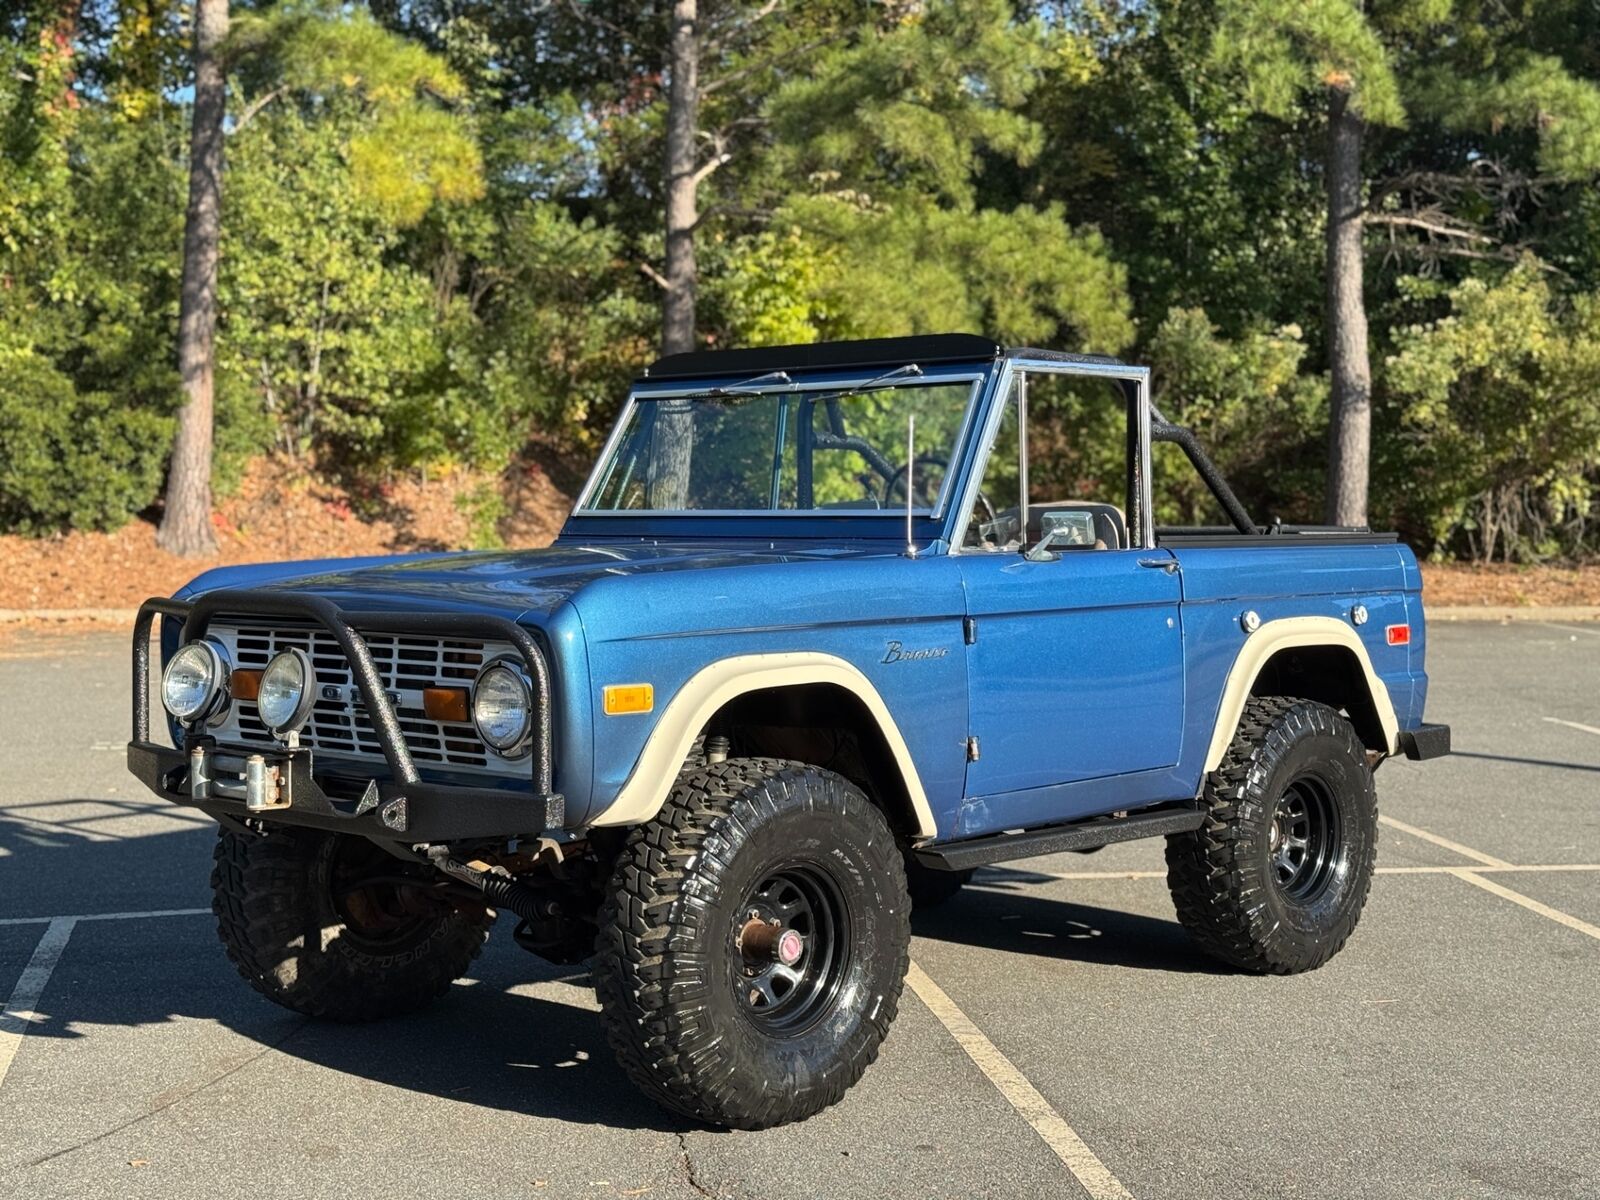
792,937
754,943
332,926
1306,839
1276,878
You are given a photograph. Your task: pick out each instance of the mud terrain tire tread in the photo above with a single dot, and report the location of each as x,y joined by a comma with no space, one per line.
654,979
1217,873
269,907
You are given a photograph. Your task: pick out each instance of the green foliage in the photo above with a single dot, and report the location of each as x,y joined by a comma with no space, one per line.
1260,417
441,220
1499,399
1284,48
765,289
87,295
1537,94
920,101
916,267
70,459
485,508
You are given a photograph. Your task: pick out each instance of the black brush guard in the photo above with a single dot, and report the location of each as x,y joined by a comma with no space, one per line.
404,807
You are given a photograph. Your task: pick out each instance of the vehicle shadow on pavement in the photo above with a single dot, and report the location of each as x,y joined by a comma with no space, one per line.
990,913
488,1045
519,1034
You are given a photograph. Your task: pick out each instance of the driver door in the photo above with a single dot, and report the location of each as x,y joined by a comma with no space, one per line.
1075,664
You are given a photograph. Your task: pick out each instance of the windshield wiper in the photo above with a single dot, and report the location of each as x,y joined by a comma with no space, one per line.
910,370
748,387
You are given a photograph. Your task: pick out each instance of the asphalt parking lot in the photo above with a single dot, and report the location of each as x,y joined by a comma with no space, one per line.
1062,1037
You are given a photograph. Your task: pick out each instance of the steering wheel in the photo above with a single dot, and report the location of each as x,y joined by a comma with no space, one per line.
983,501
900,472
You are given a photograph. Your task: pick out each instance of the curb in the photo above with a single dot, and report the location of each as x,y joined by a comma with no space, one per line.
1500,613
1507,612
116,616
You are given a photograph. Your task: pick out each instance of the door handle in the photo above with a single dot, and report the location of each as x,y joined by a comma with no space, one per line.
1169,565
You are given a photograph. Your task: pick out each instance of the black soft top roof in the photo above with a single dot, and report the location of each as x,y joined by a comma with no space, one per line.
923,350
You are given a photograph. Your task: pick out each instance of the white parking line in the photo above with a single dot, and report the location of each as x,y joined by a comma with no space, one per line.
1536,868
1477,856
1527,902
1086,1168
1571,724
110,916
19,1013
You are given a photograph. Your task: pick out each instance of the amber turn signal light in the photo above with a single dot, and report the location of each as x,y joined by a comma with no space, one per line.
244,685
623,698
446,705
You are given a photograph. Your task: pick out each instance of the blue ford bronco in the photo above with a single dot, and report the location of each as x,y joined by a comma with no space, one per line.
829,627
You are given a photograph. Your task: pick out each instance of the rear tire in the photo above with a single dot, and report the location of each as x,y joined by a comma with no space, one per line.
1276,878
301,940
748,861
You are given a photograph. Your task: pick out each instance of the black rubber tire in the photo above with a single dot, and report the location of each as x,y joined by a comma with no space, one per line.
277,918
1221,875
667,973
930,887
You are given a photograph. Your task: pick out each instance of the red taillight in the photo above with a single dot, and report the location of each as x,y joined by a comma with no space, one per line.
1399,635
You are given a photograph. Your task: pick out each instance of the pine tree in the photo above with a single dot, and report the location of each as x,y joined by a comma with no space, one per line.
186,523
1362,67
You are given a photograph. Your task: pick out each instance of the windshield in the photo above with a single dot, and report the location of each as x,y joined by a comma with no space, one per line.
784,451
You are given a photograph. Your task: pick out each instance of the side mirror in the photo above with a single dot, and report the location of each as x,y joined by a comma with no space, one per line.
1065,529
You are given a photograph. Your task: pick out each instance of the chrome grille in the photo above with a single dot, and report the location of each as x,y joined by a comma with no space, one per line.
339,724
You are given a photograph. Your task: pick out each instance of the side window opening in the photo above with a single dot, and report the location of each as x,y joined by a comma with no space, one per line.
1082,441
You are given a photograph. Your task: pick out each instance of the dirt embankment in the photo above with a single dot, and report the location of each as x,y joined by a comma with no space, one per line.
1467,585
282,512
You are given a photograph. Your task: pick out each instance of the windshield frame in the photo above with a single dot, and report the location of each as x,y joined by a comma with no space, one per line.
976,376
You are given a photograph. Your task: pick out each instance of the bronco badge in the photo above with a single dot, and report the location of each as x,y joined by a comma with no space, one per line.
898,653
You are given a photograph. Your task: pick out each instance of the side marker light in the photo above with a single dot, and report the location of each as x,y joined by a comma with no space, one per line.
621,698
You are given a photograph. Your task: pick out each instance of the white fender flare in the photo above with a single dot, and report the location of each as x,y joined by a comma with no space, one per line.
1285,633
697,700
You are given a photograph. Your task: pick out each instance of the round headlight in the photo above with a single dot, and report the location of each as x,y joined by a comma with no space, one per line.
502,709
285,697
194,681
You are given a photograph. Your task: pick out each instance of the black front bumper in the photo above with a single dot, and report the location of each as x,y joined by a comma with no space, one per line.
1425,741
403,807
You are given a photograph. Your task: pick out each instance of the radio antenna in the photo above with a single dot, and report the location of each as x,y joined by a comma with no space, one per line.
911,469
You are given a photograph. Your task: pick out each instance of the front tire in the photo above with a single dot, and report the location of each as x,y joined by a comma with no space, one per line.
754,943
1275,879
305,938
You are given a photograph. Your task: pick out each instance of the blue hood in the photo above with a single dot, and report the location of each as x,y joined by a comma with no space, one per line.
516,584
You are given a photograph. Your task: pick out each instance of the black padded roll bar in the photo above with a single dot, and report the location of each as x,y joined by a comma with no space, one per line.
1163,430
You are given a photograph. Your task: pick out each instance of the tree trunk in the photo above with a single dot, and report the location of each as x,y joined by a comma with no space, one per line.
672,443
1350,415
683,120
186,524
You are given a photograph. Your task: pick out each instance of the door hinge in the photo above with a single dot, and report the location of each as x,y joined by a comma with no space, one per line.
969,630
972,749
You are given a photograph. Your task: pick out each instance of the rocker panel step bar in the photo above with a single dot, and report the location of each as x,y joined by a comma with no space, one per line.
1080,835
